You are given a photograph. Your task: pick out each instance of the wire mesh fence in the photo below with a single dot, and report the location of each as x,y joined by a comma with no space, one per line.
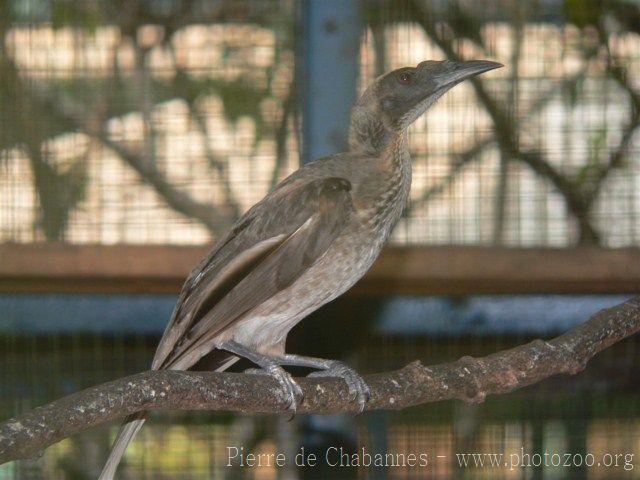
595,414
145,126
164,122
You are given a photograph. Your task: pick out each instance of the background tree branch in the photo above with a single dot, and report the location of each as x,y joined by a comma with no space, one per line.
468,379
506,131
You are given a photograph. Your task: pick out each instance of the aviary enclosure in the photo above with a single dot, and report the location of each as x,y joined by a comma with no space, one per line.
132,133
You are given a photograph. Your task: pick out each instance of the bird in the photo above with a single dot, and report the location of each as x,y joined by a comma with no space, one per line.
311,238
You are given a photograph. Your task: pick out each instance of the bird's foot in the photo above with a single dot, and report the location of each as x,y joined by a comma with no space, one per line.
268,366
358,389
292,391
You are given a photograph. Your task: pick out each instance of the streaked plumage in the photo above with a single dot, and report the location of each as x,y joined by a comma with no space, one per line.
304,244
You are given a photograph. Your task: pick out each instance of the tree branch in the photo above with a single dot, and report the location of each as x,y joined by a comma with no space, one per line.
63,110
505,132
619,155
460,160
468,379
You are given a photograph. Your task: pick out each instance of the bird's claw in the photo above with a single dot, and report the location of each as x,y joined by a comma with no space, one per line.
292,391
358,389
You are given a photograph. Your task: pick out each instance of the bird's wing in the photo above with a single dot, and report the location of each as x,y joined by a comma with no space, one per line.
267,250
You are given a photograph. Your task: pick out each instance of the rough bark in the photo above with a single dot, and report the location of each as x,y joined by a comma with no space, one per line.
468,379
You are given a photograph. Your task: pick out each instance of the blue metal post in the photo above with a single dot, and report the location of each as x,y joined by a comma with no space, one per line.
327,62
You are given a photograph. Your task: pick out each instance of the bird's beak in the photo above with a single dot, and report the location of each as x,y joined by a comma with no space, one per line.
451,73
436,78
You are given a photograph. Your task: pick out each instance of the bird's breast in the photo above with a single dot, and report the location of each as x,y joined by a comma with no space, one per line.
343,264
378,202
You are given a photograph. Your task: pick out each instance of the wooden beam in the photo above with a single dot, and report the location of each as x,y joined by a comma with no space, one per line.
485,270
51,267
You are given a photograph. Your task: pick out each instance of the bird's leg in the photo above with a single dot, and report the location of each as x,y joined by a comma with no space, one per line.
270,366
358,389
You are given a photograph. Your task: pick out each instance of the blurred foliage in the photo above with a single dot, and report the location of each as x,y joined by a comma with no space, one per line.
464,23
592,13
239,98
45,105
59,192
583,13
597,147
35,112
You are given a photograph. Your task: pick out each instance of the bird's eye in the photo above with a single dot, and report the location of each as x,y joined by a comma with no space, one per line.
405,78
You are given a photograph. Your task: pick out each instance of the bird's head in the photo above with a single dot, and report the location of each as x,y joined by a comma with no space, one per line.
395,100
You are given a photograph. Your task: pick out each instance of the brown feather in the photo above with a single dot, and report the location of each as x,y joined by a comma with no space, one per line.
298,231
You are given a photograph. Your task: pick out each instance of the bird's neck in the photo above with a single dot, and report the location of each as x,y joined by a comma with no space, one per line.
370,136
394,158
396,161
387,190
369,133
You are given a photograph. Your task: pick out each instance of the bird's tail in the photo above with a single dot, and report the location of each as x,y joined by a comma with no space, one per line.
132,425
